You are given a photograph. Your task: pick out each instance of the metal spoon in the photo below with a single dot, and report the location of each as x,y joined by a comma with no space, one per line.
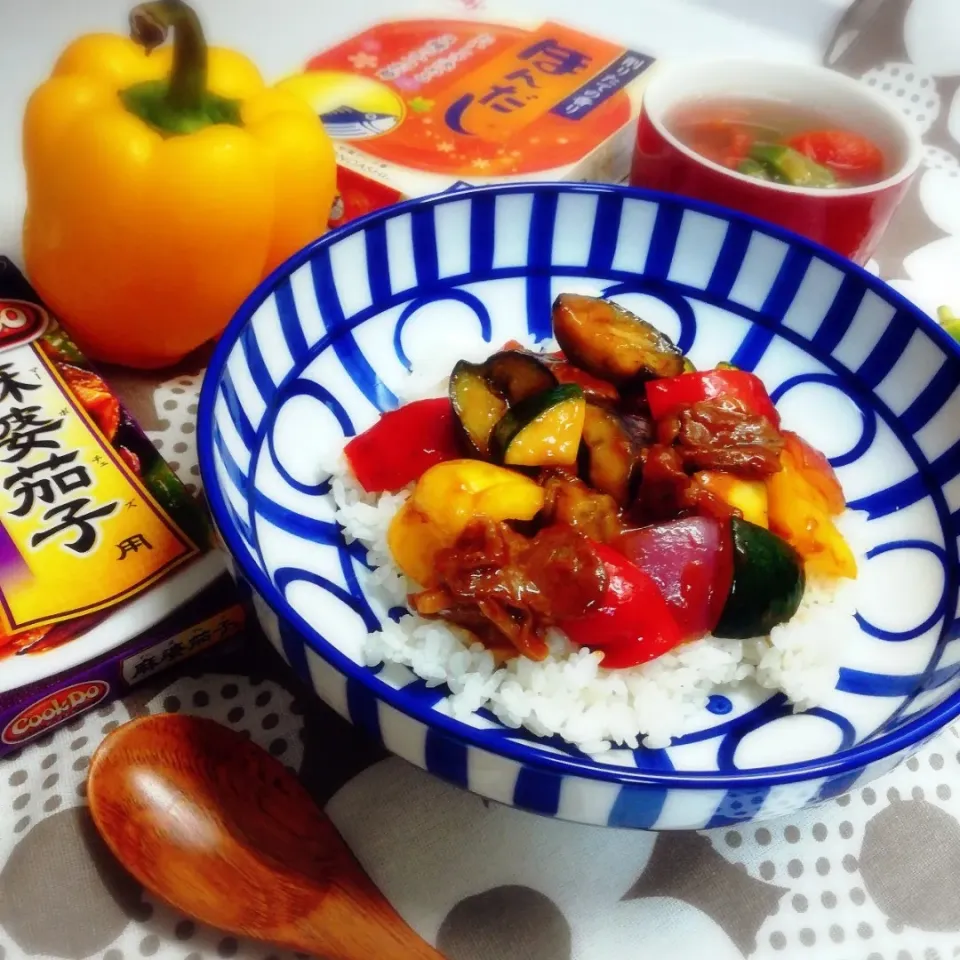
219,829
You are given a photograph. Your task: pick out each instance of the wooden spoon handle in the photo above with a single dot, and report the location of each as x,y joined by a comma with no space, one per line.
354,920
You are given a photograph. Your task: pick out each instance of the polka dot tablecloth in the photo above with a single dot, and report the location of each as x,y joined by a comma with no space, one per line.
870,876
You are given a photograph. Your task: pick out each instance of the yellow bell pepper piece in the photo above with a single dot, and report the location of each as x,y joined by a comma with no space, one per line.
161,189
747,496
414,541
801,514
453,493
446,498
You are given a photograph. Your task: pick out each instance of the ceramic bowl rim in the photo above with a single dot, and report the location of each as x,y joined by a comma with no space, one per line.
852,759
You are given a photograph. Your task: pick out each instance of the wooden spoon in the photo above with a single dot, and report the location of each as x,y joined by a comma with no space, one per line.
215,826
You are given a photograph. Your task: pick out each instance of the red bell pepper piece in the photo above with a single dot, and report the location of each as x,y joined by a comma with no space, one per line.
670,395
691,562
403,444
633,623
852,158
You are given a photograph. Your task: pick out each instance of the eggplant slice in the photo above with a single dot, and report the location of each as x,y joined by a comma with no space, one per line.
609,456
518,375
479,406
605,339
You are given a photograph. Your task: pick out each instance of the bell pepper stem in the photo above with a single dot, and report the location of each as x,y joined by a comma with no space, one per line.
180,104
149,25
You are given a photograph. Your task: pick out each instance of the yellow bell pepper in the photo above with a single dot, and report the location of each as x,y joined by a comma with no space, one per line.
803,497
414,543
162,188
446,498
747,496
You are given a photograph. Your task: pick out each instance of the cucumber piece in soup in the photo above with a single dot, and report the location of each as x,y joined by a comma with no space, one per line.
789,166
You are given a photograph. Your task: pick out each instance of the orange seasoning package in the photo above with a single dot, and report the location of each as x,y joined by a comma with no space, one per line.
421,106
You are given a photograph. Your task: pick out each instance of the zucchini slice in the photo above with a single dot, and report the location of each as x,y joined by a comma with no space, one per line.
609,455
518,375
768,583
477,404
604,339
542,430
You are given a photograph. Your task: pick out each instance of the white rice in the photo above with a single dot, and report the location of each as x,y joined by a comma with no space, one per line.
569,694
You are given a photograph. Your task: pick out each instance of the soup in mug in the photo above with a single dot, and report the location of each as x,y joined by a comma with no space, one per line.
778,142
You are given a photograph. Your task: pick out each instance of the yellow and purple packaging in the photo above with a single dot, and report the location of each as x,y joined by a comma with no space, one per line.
106,569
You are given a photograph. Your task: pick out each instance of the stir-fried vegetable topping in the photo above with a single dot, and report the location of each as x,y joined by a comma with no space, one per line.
608,490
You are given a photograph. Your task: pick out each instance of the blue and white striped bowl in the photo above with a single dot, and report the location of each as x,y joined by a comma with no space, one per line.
320,347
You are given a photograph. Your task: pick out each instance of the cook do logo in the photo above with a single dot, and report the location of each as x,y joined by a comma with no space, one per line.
52,710
21,322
